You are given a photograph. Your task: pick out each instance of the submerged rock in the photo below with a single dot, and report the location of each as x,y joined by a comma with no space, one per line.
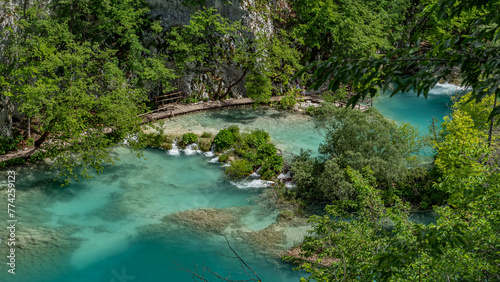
209,219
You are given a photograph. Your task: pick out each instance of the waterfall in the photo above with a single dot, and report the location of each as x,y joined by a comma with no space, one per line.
175,150
256,183
210,154
256,173
191,149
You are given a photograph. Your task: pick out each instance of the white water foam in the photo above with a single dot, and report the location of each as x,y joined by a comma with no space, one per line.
191,149
214,160
446,89
290,185
175,150
210,154
256,173
256,183
284,176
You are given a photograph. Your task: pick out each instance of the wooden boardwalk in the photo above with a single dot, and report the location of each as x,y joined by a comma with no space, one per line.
177,109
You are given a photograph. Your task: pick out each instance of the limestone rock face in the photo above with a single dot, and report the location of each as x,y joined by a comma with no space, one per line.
175,13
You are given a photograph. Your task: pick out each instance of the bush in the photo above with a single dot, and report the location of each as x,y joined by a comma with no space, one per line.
9,144
271,167
224,139
290,99
189,138
153,139
234,129
239,169
204,145
266,150
12,162
206,135
257,138
223,158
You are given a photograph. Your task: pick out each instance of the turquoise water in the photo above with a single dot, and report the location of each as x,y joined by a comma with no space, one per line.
134,220
289,131
418,111
119,222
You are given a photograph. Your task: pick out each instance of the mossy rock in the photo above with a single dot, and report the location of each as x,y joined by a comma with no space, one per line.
209,219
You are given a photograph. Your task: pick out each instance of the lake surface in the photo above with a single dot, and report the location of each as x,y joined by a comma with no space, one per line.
146,219
418,111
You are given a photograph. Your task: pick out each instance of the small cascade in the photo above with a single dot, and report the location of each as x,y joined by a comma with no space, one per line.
210,154
255,174
256,183
284,176
214,160
191,149
175,149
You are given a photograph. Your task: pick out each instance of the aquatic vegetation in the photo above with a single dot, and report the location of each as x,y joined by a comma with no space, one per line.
224,139
189,138
239,168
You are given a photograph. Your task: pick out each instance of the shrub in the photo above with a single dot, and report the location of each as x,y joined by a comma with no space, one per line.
206,135
153,139
189,138
223,158
9,144
224,139
266,150
271,167
239,169
204,145
234,129
257,138
12,162
290,99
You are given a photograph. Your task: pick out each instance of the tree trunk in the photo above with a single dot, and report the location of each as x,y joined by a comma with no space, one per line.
490,132
46,134
42,139
245,72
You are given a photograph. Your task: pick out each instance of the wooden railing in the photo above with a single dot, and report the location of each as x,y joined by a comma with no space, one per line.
160,101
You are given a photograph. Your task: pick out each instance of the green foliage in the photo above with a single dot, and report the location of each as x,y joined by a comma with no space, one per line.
350,243
348,28
189,138
257,137
206,135
271,167
81,72
259,87
9,144
153,139
206,45
289,100
239,169
469,43
223,158
12,162
274,61
224,139
266,150
382,244
358,139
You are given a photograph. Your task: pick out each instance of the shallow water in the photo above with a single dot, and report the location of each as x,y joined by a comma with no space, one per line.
92,230
418,111
289,131
133,221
